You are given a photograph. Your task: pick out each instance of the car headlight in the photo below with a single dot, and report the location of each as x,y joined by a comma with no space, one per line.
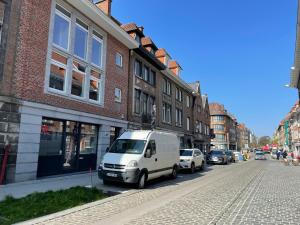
188,160
132,163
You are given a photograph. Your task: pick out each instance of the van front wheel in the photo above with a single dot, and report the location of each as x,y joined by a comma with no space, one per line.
142,181
174,173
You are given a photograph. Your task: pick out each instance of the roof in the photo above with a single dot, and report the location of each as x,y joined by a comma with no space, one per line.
204,100
146,41
195,86
136,135
132,27
174,64
161,52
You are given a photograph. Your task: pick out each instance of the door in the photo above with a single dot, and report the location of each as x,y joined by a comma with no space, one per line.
70,154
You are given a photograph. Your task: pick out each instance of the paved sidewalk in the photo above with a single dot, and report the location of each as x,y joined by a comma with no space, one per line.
22,189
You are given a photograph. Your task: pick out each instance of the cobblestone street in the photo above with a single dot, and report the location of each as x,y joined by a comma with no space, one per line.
253,192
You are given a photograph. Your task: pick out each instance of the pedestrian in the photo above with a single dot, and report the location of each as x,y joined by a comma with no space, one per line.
284,154
278,154
292,155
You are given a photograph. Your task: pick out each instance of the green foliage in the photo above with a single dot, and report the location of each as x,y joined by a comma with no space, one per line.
40,204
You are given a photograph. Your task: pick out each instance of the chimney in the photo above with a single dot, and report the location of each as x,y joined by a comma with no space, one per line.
105,6
175,68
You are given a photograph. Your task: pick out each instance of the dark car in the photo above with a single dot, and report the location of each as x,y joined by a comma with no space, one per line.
217,157
230,156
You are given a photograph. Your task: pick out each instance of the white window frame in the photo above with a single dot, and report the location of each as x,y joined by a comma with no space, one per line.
120,91
188,123
56,63
99,81
188,101
59,13
87,41
74,68
121,59
101,53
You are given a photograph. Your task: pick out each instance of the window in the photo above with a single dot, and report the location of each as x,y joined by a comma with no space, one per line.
137,101
218,118
146,73
220,137
138,38
219,127
78,78
144,98
197,128
188,123
152,77
166,114
178,117
178,94
81,37
61,29
166,87
138,68
58,70
198,108
118,95
94,93
97,46
150,104
187,101
88,139
119,60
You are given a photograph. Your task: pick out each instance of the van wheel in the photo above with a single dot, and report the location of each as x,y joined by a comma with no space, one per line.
193,167
202,166
142,181
105,182
174,173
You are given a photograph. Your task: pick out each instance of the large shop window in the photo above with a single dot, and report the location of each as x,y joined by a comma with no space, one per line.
61,30
67,146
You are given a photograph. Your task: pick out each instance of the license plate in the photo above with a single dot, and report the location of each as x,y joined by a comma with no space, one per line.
111,175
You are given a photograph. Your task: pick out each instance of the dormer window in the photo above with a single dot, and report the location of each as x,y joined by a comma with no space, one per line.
138,38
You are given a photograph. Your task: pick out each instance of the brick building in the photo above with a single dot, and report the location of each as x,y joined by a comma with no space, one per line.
224,126
243,137
63,87
70,84
160,99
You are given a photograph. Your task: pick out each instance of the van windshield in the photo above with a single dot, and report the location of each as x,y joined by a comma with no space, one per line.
128,146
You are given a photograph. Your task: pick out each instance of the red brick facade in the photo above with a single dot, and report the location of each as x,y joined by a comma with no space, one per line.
29,76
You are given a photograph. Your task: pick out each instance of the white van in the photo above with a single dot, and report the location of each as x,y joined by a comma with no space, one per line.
138,156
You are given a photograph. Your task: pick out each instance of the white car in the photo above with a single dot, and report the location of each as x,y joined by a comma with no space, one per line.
191,159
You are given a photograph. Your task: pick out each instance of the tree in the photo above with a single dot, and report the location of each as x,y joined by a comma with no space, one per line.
264,140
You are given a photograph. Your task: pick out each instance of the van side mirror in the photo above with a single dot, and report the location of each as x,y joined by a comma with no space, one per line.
148,153
107,149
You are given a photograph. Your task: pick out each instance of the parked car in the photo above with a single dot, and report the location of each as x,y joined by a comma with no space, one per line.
191,159
138,156
230,155
260,155
218,157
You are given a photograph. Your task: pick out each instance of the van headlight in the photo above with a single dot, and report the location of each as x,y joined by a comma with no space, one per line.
132,163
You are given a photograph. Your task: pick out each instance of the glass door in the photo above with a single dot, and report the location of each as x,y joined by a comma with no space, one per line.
71,146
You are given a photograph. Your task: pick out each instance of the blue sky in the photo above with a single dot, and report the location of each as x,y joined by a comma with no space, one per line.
240,51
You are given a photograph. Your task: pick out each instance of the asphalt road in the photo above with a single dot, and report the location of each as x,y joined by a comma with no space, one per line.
253,192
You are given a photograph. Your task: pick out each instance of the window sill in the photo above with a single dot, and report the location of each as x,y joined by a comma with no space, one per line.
70,97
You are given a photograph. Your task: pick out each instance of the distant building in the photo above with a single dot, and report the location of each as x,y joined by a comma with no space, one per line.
224,126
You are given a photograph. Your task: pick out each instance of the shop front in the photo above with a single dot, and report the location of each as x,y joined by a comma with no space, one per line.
66,147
